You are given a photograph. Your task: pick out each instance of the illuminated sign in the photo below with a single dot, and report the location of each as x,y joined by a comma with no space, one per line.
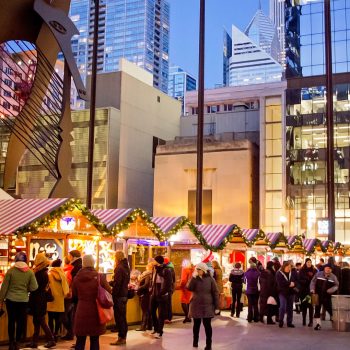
67,223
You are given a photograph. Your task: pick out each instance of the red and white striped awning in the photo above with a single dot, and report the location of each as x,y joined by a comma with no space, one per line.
215,234
16,213
111,217
167,223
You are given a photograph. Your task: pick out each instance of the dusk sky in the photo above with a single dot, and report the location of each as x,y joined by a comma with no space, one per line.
220,14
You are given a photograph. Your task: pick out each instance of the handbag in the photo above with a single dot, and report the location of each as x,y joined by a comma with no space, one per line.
131,293
104,314
104,298
271,301
48,294
315,300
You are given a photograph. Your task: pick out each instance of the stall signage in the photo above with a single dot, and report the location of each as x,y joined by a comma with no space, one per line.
51,247
68,223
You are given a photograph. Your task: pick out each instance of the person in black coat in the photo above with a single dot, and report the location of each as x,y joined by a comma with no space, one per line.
306,275
119,285
160,289
286,284
336,270
38,303
236,278
345,278
268,289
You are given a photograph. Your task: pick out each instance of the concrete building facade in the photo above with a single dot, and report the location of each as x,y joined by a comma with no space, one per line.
249,114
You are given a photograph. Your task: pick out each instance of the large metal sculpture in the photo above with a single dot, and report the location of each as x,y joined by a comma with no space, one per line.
32,34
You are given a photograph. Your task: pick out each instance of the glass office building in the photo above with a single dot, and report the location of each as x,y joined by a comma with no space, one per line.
180,82
306,132
137,30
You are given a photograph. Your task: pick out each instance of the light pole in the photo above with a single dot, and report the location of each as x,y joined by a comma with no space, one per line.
283,220
200,121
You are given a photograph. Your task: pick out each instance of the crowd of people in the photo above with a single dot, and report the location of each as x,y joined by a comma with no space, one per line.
68,296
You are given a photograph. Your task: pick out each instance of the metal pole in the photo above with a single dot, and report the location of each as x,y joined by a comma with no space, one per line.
330,121
199,194
90,167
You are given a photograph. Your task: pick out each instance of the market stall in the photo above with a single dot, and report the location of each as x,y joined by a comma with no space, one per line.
278,244
257,245
296,251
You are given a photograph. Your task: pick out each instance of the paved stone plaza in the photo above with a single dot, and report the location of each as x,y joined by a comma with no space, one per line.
233,334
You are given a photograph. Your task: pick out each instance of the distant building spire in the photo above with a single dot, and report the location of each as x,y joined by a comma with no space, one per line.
259,5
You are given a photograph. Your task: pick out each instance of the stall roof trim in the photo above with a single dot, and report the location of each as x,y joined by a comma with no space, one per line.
274,237
250,233
215,234
309,244
167,223
16,213
111,217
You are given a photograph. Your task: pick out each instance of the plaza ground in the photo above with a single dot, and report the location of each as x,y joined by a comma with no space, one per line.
232,334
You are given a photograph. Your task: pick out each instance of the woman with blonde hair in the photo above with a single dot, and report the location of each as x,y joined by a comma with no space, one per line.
143,292
186,275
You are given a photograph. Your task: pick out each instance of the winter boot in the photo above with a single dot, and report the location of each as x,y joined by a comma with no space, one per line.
120,341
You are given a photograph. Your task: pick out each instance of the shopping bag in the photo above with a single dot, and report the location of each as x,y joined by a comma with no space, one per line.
315,300
271,301
222,303
105,315
104,297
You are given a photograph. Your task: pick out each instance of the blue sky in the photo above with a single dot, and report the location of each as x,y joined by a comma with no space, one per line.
184,23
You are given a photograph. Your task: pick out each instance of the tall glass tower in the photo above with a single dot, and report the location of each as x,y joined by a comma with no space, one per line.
137,30
306,131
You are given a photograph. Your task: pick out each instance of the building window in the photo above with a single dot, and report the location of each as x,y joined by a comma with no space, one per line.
156,142
7,93
8,82
6,105
207,206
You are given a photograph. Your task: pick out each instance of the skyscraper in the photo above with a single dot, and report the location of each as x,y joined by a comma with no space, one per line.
179,83
306,132
252,57
277,17
137,30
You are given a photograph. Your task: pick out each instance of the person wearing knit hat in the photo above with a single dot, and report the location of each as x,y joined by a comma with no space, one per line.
204,303
160,291
85,289
38,302
88,261
18,282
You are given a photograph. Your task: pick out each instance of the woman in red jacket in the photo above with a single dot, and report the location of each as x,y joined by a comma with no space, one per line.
186,275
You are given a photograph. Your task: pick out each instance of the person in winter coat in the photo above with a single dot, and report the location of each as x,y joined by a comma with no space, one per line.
38,303
336,270
60,289
72,266
276,264
251,278
204,304
345,277
185,298
324,284
160,289
84,295
168,264
306,275
286,284
18,282
144,295
236,278
268,289
120,284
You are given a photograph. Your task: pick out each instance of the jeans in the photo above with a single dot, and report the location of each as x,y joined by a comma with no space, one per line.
207,327
304,307
160,304
55,321
120,316
236,298
17,315
81,340
68,317
146,312
39,321
170,307
253,310
286,306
